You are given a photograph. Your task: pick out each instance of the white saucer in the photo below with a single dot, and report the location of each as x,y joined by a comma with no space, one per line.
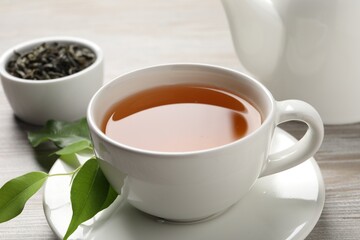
286,205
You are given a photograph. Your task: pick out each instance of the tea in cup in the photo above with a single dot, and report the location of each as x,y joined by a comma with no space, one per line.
181,118
192,139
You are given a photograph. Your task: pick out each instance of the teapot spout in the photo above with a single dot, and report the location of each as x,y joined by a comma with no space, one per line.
258,34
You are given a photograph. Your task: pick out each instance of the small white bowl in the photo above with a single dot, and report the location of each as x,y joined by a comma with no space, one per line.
63,98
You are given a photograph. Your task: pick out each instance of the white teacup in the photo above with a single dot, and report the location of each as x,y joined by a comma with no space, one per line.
189,186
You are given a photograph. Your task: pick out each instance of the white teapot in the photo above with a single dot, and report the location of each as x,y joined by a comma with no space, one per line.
303,49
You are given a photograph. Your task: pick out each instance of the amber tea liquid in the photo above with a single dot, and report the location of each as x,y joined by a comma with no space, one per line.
180,118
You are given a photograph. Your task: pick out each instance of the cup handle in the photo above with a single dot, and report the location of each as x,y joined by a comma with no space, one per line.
295,110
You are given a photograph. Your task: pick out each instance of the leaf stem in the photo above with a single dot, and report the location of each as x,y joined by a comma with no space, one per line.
66,174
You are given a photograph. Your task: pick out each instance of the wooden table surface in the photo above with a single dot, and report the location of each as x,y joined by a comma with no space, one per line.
139,33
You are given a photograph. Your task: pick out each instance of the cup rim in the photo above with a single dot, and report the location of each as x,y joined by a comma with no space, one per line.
5,57
94,128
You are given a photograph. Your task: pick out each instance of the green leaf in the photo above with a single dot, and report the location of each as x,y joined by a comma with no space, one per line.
16,192
71,159
90,193
62,134
74,147
110,198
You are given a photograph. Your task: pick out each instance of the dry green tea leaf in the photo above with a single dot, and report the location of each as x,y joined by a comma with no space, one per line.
51,61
